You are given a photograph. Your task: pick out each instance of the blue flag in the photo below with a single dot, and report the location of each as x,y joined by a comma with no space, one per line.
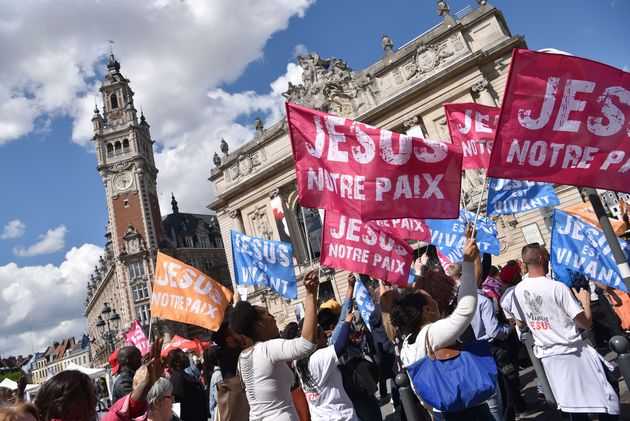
264,262
579,248
412,277
507,197
449,235
364,302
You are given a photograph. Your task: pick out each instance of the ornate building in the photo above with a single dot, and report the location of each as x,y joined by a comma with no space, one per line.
464,58
122,279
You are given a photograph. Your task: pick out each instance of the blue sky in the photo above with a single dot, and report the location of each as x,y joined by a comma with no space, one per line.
50,181
48,173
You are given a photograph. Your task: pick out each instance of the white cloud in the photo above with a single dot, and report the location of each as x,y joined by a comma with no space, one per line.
176,55
13,229
300,50
40,304
54,240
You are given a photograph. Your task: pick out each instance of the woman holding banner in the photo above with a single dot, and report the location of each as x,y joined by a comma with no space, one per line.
262,366
415,316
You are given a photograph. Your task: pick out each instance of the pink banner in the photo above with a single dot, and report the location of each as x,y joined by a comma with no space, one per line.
473,126
364,248
564,120
406,228
370,173
135,336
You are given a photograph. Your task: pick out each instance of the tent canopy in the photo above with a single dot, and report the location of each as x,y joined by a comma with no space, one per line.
94,373
9,384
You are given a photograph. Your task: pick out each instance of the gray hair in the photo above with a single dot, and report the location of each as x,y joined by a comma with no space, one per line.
162,387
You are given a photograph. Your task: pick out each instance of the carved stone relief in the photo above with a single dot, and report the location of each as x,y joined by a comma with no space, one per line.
431,57
245,165
331,86
260,222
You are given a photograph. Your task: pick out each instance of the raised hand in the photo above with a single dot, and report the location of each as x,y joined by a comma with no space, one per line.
471,251
311,282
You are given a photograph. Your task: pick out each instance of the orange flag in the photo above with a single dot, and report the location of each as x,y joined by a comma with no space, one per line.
585,211
184,294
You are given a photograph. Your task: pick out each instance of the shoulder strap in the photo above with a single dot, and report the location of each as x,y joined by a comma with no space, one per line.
428,349
442,354
520,312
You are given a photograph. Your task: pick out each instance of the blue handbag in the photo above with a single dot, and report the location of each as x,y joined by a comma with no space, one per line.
452,380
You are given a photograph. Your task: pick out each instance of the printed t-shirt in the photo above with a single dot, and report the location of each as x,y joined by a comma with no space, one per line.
327,399
549,308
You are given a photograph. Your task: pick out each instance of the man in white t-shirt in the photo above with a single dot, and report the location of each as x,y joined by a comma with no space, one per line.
574,369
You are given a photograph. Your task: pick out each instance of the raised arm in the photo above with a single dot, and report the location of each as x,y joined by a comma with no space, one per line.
309,328
445,332
345,310
279,350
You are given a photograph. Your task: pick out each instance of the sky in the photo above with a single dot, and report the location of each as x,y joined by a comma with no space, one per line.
201,71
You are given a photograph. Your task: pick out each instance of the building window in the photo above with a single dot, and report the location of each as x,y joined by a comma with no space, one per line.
143,314
140,291
189,242
117,148
136,270
204,242
113,100
110,150
126,203
125,145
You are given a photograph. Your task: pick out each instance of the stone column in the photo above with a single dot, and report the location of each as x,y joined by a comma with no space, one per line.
237,224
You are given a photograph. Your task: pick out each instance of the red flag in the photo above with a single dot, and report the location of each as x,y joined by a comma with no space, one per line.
473,126
193,345
370,173
135,336
564,120
406,228
363,247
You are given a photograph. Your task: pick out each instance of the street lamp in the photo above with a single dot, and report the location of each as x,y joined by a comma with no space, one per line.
107,325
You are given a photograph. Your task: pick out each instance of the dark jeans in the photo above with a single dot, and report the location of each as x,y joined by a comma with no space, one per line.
367,408
477,413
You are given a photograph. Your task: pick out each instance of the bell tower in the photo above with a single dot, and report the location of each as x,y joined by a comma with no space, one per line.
124,151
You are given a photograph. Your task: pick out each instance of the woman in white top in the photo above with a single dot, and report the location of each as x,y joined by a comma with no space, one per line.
263,367
413,315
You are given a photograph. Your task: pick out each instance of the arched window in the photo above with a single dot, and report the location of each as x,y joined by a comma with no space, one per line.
125,145
117,148
110,150
113,100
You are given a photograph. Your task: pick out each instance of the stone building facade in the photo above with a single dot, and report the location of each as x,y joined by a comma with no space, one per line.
58,356
136,230
464,58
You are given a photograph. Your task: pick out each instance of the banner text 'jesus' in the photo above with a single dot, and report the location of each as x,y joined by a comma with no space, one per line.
370,173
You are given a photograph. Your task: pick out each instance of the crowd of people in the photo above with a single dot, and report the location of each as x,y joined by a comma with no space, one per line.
333,365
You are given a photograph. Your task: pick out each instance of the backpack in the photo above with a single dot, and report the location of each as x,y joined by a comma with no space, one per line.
452,379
